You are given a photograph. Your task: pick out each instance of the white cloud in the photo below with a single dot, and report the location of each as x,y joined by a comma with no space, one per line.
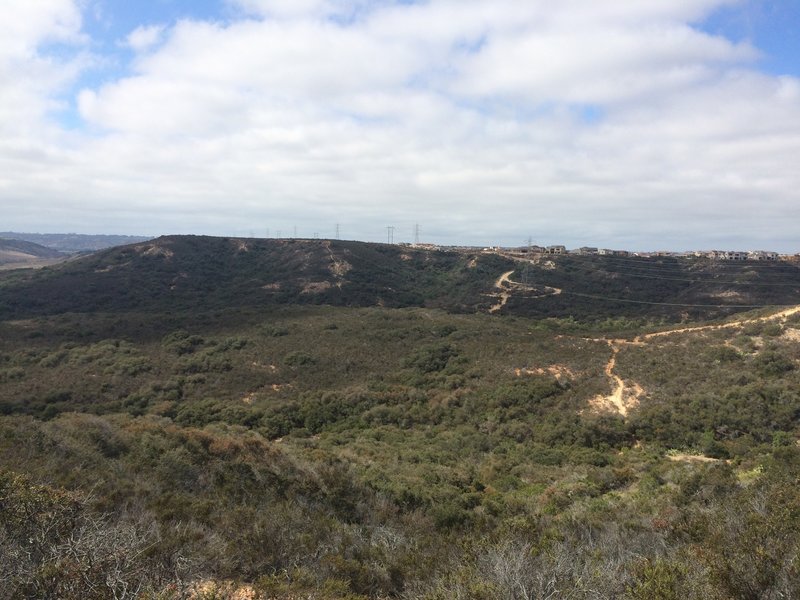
144,37
583,121
28,24
29,79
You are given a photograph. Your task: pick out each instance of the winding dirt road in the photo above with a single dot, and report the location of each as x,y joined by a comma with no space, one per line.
503,283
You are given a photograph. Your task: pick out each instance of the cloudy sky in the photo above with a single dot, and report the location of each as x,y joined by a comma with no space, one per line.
641,124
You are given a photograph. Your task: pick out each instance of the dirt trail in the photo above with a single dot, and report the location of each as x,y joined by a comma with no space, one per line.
690,458
782,315
627,395
502,284
505,285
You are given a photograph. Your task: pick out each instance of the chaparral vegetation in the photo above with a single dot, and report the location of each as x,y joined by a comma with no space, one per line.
213,418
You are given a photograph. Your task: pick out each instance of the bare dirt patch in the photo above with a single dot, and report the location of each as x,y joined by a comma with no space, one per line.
560,372
241,245
793,335
692,458
728,295
154,250
316,287
338,267
217,589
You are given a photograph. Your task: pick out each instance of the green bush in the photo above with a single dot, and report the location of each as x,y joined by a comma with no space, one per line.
298,358
432,359
772,363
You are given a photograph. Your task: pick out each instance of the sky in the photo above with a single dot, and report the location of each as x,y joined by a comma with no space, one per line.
636,124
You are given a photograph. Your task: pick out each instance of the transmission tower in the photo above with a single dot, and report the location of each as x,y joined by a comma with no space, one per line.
526,270
338,232
416,234
390,234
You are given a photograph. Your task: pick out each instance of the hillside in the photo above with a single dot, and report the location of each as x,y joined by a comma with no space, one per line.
342,421
202,273
597,287
206,274
70,243
20,254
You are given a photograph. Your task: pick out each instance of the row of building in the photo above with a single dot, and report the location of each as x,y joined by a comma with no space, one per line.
727,255
738,255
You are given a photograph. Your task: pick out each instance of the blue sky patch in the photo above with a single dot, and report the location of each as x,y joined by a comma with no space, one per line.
772,26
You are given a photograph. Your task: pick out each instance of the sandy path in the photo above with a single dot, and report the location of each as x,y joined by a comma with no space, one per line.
784,314
625,395
505,285
690,458
502,284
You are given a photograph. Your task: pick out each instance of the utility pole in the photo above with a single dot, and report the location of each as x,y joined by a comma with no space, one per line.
416,234
390,234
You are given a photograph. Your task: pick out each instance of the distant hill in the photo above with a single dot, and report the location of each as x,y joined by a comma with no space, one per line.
205,273
74,242
178,274
18,253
